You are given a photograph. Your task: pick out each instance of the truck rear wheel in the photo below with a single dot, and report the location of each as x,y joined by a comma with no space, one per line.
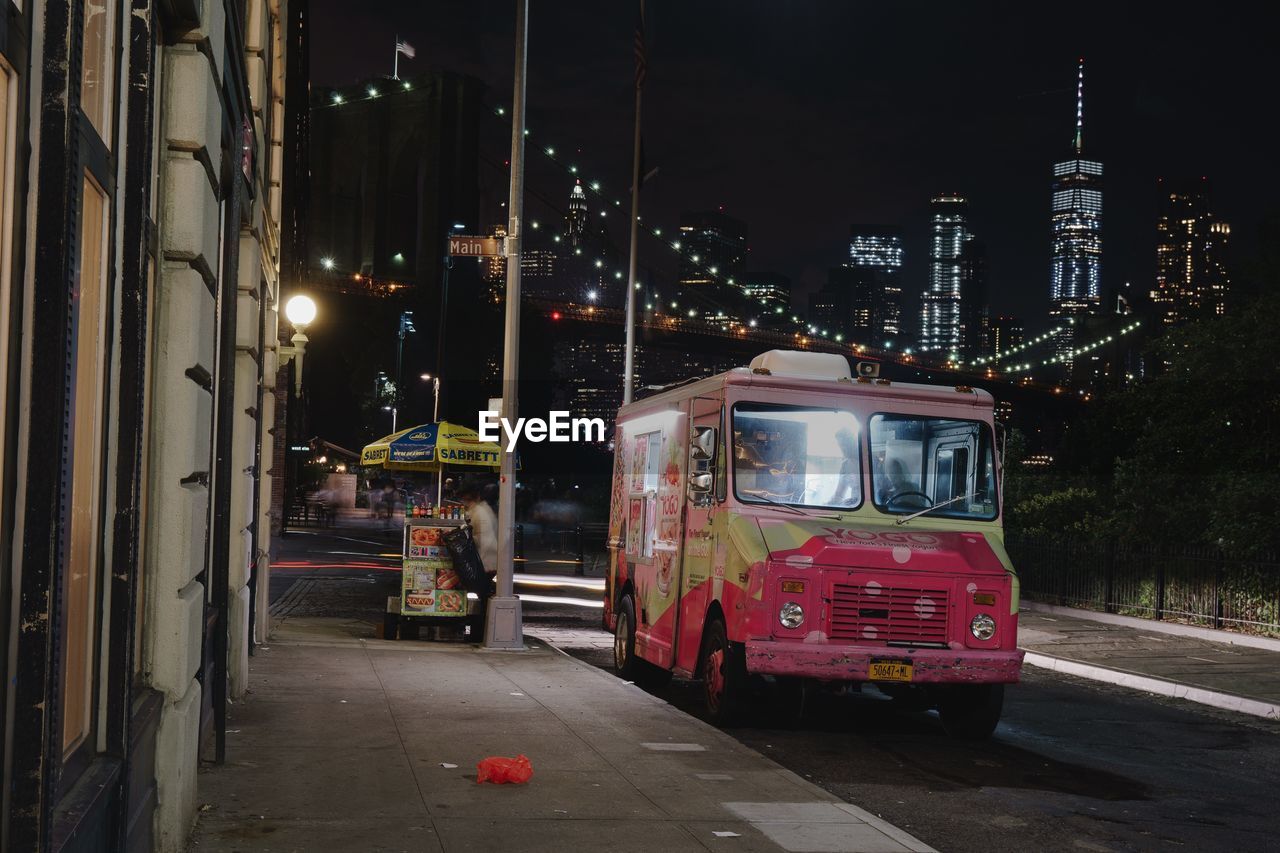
724,676
625,662
971,711
624,640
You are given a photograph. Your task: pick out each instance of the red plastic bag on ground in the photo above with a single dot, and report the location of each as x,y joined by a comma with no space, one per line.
499,770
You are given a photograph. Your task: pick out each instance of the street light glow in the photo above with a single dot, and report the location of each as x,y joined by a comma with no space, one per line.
327,263
300,310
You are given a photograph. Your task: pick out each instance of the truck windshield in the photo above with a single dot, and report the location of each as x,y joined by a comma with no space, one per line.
796,455
918,462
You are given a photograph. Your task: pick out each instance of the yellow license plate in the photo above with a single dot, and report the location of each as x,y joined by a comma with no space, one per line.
888,670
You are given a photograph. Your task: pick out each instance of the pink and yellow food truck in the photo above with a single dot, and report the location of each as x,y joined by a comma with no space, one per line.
790,523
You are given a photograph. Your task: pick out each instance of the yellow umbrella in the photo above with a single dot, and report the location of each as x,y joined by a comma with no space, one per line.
429,447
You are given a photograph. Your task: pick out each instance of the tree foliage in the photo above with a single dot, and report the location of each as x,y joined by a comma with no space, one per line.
1191,455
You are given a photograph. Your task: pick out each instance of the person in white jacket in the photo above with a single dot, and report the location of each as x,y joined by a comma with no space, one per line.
484,525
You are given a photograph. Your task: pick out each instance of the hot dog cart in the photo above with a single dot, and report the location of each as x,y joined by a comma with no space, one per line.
429,584
432,589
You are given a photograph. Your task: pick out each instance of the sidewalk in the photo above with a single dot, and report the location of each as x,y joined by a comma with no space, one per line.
1228,671
344,741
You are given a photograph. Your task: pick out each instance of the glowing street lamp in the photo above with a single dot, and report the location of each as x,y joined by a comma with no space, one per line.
300,311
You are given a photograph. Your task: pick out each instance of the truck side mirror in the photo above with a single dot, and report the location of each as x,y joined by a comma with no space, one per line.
702,444
700,484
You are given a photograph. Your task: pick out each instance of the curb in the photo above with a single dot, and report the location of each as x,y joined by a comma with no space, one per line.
1159,686
1212,635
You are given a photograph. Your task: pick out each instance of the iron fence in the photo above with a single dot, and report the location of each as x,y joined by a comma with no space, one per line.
1200,586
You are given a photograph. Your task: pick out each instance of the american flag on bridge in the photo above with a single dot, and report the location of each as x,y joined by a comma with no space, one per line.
405,48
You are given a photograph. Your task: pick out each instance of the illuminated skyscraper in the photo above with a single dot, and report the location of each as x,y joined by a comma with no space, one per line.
941,324
1075,267
575,222
1191,256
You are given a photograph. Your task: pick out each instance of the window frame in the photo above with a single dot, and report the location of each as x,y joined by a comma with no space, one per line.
97,161
984,428
732,445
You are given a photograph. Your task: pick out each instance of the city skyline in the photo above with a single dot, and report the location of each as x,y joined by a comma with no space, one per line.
992,141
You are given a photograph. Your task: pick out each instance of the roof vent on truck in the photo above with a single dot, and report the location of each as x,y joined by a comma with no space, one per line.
803,365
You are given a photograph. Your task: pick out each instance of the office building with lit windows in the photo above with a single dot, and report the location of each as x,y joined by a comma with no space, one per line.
713,248
1003,334
1192,279
1075,266
768,295
941,321
878,250
973,299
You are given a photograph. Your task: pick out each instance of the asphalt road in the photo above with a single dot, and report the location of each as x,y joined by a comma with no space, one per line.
1074,765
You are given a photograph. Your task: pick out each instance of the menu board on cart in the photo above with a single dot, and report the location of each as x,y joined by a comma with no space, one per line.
429,584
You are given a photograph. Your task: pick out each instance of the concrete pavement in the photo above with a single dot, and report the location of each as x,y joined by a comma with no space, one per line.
345,743
1212,668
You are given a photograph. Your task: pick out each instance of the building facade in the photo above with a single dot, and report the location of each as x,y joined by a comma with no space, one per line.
1192,278
1075,266
941,321
139,287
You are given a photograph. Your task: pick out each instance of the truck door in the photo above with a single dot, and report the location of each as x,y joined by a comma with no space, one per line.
706,471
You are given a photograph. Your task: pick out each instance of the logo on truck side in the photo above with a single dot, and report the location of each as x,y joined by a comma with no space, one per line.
887,539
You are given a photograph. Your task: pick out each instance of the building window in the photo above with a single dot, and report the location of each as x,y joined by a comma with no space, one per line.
97,72
85,466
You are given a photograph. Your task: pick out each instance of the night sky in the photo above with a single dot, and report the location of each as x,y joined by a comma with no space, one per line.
801,118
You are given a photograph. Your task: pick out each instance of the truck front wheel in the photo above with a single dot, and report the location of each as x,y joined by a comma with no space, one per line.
724,675
970,711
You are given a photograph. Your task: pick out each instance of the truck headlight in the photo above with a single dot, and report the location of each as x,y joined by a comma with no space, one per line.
791,615
983,627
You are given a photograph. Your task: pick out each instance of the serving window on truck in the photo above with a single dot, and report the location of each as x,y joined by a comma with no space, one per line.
919,462
642,509
797,455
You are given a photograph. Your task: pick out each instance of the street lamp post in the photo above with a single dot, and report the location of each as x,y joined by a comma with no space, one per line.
435,382
503,629
406,326
300,311
435,418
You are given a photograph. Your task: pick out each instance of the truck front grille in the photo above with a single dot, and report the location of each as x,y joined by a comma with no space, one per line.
869,613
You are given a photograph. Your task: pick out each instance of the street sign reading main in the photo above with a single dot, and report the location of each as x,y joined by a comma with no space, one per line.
476,247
